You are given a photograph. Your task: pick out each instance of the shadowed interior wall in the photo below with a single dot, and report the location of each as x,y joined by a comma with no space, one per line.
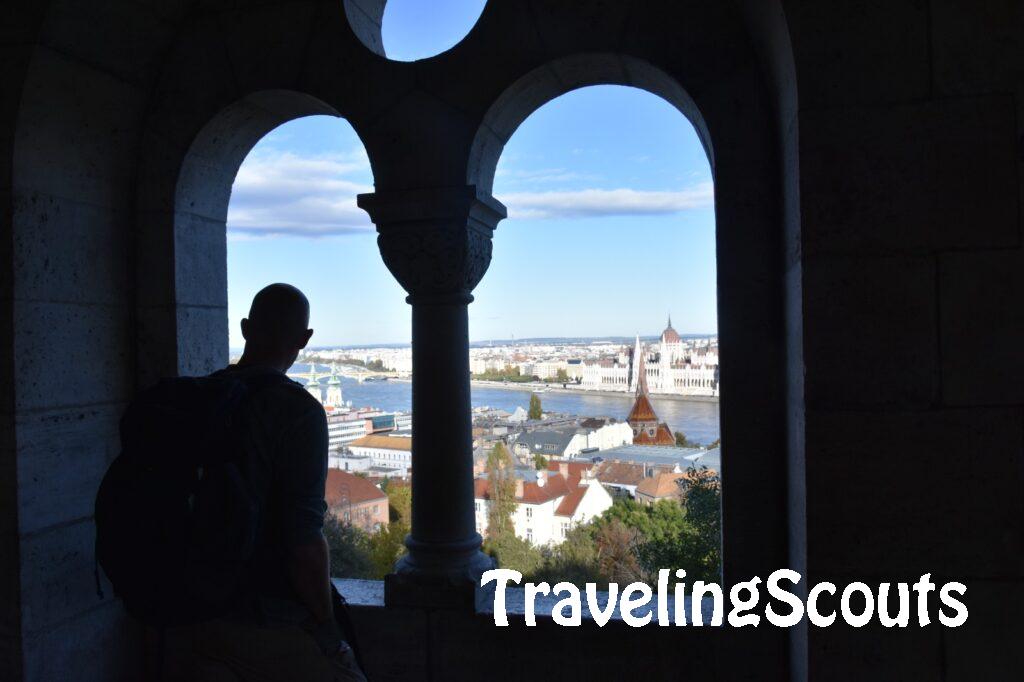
881,421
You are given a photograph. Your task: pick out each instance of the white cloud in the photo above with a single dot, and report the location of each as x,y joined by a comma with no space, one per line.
542,175
282,193
606,202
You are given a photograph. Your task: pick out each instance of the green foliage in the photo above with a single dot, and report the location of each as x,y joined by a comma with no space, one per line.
575,560
357,554
399,503
513,552
617,546
683,442
540,462
535,411
562,376
501,483
698,548
664,519
349,549
508,374
375,365
385,547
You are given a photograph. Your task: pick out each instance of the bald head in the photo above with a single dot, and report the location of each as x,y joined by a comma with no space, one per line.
277,326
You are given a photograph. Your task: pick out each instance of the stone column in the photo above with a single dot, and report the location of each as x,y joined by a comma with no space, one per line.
437,244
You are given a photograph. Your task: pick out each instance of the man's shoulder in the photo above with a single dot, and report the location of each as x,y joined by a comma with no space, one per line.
294,395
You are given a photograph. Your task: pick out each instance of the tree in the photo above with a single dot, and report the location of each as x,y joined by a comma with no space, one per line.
513,552
535,411
562,376
399,502
385,547
697,547
349,549
575,560
540,462
501,484
702,498
616,550
683,442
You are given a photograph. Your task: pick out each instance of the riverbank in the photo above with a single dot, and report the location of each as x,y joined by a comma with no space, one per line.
535,387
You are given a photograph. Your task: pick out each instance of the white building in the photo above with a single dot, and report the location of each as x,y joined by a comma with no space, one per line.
549,504
391,453
672,366
347,461
334,397
343,428
571,442
610,435
313,388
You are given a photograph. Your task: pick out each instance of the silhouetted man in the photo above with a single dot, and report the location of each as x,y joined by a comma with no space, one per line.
284,627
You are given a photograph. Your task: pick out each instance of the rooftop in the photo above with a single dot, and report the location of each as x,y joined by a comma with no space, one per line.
344,488
383,442
657,454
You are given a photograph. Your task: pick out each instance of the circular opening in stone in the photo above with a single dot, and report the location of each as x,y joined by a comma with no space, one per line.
418,29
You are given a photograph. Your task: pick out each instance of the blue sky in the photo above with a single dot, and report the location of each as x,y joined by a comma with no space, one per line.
610,225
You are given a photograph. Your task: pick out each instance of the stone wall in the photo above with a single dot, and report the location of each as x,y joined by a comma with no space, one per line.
867,158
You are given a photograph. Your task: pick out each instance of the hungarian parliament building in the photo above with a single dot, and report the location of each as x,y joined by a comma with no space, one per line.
671,366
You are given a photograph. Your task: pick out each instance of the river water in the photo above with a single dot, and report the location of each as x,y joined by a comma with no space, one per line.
698,420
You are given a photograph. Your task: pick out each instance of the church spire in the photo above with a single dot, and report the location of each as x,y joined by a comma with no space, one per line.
641,377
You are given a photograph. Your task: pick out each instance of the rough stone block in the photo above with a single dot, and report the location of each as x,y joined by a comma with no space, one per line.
201,261
965,64
123,39
57,576
157,347
155,262
100,645
859,53
202,339
267,45
841,653
395,642
870,332
182,103
364,19
69,251
982,327
913,493
987,646
914,178
78,132
70,354
62,456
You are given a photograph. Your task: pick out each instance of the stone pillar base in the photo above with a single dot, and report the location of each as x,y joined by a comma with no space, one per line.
426,591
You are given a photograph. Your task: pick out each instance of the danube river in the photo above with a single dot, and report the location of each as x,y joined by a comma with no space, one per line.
698,420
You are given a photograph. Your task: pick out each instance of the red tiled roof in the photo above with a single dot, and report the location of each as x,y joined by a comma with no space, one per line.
345,488
555,487
642,410
663,484
568,505
575,470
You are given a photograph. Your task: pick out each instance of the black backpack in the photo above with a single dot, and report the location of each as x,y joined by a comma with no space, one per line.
176,519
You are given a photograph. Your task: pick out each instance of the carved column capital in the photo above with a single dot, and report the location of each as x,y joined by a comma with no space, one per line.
435,241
